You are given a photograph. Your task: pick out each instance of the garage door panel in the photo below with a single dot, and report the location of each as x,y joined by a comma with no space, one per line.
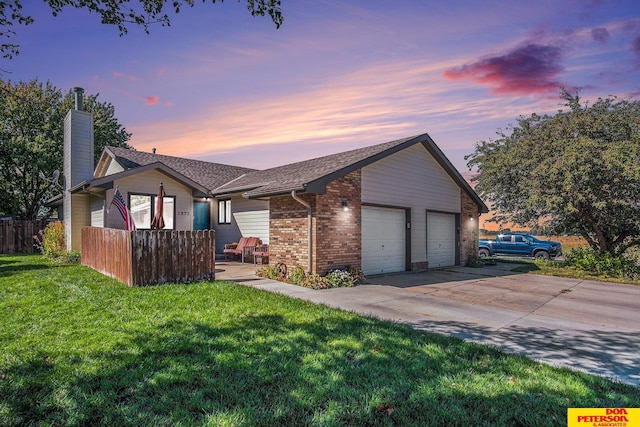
383,240
441,239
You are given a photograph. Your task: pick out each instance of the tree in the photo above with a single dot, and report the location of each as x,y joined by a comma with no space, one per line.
577,170
31,138
121,13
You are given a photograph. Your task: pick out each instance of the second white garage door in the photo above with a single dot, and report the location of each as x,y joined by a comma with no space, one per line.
383,240
441,239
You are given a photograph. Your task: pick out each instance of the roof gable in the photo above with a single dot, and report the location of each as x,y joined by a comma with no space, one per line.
312,176
108,180
206,174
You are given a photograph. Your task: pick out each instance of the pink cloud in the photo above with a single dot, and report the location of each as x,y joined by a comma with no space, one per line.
169,104
151,100
120,75
528,69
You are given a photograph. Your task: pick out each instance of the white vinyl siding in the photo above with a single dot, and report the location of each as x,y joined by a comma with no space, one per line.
254,224
441,239
411,178
383,240
249,218
114,167
97,211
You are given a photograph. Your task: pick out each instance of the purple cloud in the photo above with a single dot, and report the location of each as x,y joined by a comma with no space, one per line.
635,46
528,69
600,35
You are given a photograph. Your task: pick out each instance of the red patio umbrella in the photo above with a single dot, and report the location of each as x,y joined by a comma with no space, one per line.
158,221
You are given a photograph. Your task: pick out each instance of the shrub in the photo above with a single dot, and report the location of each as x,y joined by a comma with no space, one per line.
297,275
357,274
73,257
51,242
268,272
587,259
348,277
340,279
315,281
345,278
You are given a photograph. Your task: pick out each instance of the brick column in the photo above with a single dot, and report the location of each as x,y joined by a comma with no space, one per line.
468,229
339,231
288,240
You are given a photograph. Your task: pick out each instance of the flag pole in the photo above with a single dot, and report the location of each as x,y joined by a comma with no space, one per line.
112,196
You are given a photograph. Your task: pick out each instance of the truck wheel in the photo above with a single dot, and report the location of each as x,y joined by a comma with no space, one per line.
483,253
541,255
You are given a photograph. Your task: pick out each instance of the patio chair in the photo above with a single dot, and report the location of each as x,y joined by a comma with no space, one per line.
245,246
261,253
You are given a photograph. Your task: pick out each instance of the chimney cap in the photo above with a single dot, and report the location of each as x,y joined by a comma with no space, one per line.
78,91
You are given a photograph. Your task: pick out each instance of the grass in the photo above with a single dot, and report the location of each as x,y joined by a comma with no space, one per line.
558,268
561,269
77,348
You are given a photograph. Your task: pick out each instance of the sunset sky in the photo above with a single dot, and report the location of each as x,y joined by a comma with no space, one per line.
223,86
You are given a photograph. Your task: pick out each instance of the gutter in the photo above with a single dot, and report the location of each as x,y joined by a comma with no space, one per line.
309,228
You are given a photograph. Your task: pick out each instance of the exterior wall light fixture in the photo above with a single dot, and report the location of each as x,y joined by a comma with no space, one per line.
345,206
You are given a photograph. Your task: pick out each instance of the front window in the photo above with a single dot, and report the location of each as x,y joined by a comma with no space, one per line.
224,212
143,209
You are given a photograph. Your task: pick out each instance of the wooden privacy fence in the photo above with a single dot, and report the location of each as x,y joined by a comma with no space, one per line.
149,257
16,236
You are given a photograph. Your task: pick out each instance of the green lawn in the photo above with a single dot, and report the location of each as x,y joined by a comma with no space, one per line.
560,269
77,348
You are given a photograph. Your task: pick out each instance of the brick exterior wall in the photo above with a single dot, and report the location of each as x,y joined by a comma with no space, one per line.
468,229
288,230
336,236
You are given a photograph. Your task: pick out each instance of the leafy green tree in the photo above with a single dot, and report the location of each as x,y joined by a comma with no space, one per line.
121,13
578,171
31,138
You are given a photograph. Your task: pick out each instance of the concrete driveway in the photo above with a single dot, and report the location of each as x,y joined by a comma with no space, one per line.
584,325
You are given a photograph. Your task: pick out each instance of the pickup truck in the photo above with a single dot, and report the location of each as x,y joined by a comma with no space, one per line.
519,244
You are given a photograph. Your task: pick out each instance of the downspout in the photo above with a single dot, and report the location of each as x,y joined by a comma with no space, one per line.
308,206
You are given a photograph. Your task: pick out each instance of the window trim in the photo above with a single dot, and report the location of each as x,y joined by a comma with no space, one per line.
222,213
154,196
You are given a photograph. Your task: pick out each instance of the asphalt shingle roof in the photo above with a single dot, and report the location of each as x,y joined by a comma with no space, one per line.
207,174
294,176
309,175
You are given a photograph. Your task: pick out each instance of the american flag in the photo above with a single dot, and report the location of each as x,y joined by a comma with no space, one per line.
118,201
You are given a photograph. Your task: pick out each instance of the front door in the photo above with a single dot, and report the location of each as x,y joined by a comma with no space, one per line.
201,216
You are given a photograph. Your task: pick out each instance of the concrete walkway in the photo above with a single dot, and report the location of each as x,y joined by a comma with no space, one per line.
583,325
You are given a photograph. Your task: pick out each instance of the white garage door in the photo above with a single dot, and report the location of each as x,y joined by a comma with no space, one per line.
383,240
441,239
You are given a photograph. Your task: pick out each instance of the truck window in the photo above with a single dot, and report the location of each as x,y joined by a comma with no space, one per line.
506,239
